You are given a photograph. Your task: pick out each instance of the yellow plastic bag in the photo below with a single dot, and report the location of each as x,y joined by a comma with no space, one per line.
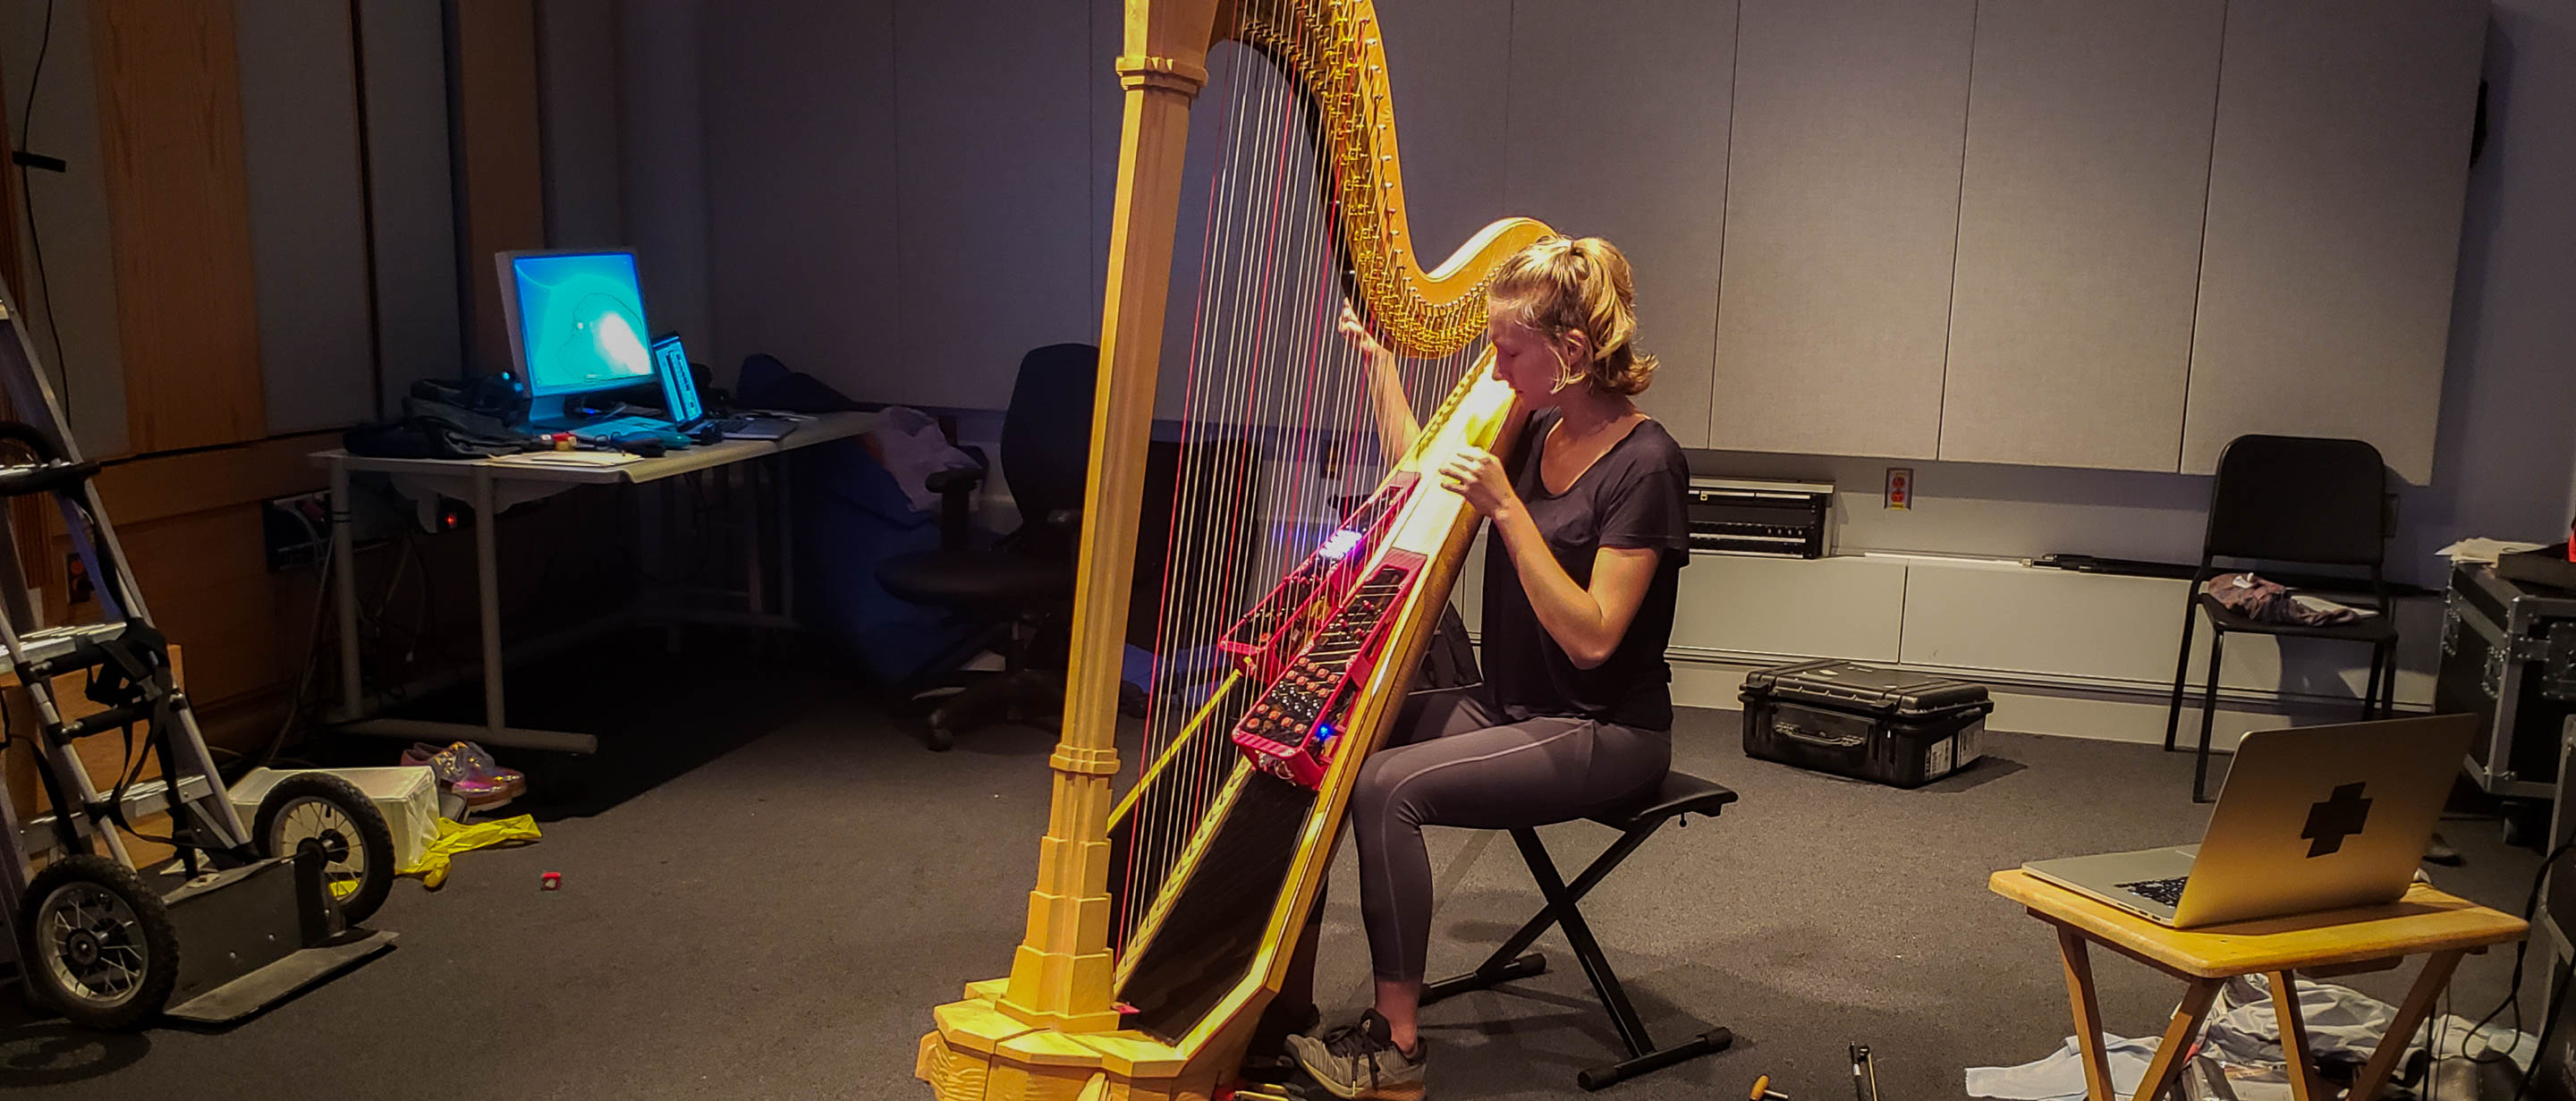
454,838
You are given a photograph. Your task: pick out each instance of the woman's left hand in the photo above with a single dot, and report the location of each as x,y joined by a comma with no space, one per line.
1474,474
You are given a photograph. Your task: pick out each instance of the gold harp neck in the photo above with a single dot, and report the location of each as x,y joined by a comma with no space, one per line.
1331,50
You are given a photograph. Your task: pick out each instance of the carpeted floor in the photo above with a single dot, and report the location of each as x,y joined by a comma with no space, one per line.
767,884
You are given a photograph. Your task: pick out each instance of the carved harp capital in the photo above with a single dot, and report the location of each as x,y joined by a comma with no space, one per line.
1087,761
1167,73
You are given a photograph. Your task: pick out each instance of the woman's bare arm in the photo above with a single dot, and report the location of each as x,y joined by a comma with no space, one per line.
1396,425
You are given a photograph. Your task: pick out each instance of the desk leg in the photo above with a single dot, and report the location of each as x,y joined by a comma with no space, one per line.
344,590
2178,1038
755,585
2294,1038
2401,1029
2088,1015
487,585
783,467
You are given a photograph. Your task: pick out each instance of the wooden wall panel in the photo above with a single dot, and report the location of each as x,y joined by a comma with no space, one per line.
171,135
499,165
1842,200
2337,176
2079,232
1585,159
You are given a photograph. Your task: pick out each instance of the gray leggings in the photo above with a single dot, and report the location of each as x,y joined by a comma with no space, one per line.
1452,760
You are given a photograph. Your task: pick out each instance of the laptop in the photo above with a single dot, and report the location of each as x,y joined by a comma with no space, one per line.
2312,818
680,399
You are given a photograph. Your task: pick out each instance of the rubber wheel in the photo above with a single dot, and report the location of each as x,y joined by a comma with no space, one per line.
329,813
96,943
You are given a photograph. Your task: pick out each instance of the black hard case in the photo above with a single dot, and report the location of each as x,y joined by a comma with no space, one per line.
1883,725
2509,657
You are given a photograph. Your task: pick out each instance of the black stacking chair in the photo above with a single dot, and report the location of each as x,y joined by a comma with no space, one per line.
2291,499
1024,584
1681,795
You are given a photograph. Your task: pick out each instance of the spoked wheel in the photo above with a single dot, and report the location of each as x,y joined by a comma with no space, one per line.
96,943
324,812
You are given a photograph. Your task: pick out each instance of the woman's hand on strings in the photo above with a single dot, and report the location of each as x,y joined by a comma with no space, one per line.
1474,473
1357,333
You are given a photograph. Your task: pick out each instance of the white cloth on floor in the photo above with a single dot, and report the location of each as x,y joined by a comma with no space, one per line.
2061,1073
2343,1023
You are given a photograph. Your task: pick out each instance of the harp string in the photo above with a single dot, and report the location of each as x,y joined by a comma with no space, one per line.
1277,435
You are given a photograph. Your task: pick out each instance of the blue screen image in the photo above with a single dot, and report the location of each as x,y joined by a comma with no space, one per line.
581,321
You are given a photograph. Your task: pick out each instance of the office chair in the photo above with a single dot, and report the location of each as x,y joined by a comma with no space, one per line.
2295,500
1021,586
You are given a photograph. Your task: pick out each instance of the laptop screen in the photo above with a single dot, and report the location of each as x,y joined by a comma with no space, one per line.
679,387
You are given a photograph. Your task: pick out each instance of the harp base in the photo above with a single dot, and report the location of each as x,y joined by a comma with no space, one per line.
979,1053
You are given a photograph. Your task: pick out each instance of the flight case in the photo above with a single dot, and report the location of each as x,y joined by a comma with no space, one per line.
1892,727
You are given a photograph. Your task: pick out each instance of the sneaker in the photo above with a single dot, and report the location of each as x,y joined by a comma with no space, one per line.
1360,1060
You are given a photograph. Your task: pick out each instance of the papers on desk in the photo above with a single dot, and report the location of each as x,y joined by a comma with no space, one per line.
567,458
2484,550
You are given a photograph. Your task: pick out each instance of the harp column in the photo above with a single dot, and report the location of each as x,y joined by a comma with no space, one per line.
1061,975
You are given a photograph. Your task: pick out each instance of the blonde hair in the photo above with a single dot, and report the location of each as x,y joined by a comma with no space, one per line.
1561,285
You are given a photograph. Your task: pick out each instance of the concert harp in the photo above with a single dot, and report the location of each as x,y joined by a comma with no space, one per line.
1306,565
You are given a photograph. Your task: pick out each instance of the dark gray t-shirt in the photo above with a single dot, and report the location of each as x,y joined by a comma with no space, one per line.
1633,496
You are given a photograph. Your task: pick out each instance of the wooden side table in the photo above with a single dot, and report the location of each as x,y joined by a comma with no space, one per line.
2336,942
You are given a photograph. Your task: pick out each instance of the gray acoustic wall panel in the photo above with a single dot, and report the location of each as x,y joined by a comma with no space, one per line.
1446,64
659,146
800,195
992,164
308,222
1586,159
419,326
2336,179
1842,201
577,126
75,302
2079,232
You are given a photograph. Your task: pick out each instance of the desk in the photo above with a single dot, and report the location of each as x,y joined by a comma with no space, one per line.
475,481
2337,942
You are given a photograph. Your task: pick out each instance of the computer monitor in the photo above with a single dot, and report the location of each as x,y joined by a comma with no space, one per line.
679,387
576,321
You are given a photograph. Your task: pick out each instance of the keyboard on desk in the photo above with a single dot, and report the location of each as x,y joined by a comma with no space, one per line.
618,428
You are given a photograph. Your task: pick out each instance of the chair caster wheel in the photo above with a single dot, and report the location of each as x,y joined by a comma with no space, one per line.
940,738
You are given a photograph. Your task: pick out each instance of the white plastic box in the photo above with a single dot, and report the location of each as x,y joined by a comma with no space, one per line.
407,795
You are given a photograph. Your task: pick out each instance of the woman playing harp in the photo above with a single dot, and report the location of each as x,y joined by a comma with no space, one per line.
1574,714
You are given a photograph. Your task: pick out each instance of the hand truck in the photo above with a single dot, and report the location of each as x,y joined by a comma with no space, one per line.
250,915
